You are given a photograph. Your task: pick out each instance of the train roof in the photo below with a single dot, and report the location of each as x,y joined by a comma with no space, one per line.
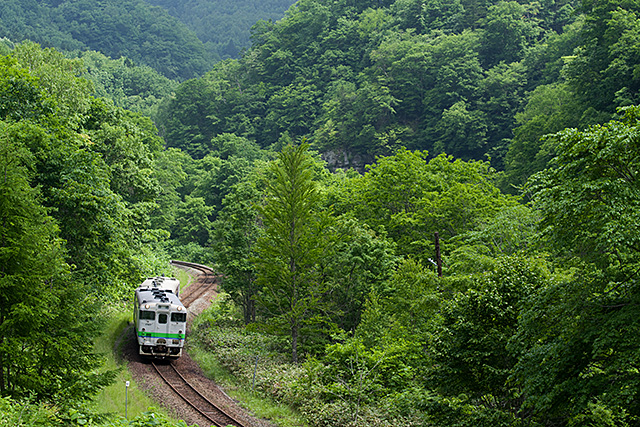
156,296
170,284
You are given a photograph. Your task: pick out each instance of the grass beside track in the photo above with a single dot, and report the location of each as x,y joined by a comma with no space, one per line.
184,278
258,405
111,400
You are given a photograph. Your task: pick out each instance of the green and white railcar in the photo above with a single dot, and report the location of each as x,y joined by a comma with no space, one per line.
160,318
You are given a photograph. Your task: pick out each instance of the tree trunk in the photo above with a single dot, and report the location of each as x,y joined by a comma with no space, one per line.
294,342
249,309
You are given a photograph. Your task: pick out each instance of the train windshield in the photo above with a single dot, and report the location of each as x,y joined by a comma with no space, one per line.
147,315
162,318
178,317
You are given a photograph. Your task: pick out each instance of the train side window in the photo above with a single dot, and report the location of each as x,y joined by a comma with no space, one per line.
178,317
162,318
147,315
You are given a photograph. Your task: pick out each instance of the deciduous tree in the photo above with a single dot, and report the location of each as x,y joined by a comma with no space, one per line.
577,341
47,319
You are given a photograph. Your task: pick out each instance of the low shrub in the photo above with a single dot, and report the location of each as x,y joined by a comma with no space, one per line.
260,361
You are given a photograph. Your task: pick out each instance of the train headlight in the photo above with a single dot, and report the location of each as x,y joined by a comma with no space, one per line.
179,308
146,306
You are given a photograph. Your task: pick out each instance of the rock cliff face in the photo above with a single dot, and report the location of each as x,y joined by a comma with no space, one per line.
341,159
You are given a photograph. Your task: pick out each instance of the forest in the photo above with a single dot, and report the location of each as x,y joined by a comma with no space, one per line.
180,39
425,212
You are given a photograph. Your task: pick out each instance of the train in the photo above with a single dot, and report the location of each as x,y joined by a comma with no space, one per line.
160,319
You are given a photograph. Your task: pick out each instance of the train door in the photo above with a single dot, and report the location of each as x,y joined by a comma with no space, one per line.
162,331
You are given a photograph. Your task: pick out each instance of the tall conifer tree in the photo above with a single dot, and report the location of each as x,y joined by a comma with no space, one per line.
296,236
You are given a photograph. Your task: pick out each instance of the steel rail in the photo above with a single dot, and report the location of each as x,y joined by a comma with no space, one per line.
200,267
195,291
203,412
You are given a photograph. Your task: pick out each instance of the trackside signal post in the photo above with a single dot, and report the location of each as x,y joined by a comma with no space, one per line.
126,398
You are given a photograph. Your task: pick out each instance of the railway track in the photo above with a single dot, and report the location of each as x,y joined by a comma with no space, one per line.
181,386
204,403
205,281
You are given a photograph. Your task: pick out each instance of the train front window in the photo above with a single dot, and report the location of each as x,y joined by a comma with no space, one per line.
178,317
147,315
162,318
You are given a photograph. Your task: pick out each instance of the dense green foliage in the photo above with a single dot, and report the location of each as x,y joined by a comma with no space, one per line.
224,26
585,342
364,78
117,28
179,39
45,327
413,198
533,322
136,88
77,183
442,107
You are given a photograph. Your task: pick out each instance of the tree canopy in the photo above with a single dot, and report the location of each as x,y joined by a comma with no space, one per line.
112,27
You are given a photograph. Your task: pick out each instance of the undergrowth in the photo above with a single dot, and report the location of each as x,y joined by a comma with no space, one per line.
254,366
228,355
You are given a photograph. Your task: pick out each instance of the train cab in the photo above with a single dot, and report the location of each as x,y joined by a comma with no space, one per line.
160,319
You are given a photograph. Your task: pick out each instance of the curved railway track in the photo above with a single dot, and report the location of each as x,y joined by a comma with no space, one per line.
182,383
181,386
206,280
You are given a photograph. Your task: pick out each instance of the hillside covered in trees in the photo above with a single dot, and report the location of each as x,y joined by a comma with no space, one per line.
478,265
181,40
224,25
472,79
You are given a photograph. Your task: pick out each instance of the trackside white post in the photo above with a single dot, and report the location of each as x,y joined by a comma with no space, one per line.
126,398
